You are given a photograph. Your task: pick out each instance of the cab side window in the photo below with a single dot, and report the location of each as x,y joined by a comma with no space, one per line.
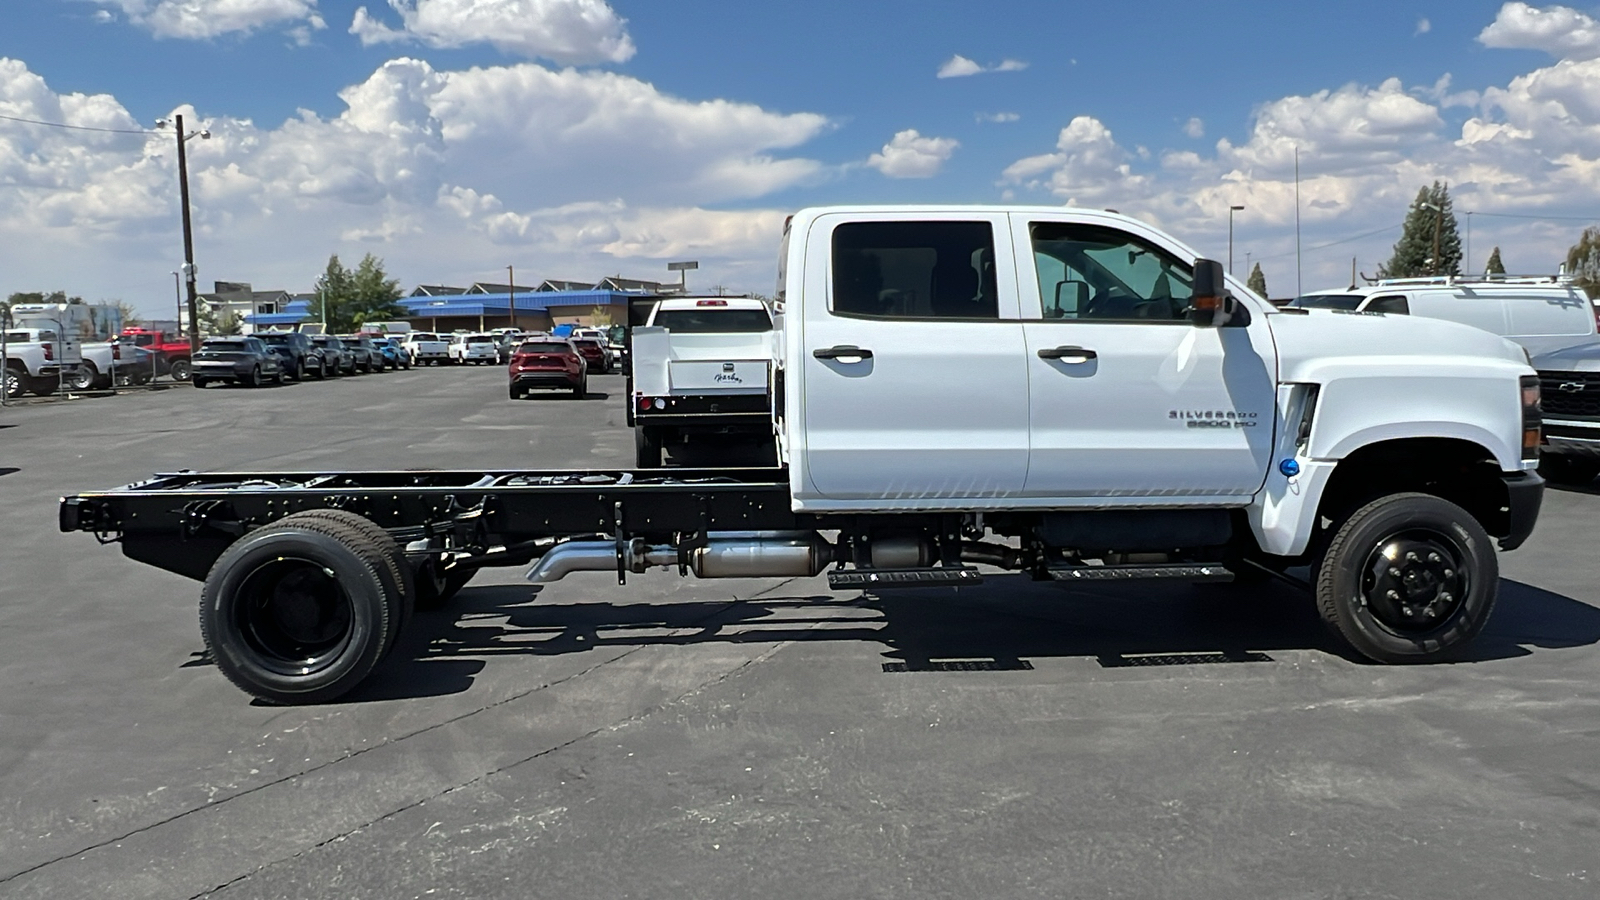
914,270
1390,303
1092,272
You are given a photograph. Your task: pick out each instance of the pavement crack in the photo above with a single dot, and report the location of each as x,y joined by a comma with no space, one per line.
483,776
405,737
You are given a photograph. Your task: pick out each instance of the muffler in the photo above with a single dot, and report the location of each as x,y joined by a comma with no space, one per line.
730,554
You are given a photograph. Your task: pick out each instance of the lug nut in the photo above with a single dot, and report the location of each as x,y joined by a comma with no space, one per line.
1449,573
1393,572
1445,596
1406,611
1394,595
1434,557
1411,556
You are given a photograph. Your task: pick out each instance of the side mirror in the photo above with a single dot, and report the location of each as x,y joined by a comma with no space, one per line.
1211,306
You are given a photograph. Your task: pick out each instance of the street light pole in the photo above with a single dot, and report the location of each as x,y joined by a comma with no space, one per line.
1231,211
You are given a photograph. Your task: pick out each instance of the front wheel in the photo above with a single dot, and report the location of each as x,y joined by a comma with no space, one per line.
1408,578
181,370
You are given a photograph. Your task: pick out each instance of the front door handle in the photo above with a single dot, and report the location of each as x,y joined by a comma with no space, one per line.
1072,355
844,353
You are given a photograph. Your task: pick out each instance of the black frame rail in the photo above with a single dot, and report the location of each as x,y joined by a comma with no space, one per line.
183,521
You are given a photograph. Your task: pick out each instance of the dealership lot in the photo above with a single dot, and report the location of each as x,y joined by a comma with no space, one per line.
735,738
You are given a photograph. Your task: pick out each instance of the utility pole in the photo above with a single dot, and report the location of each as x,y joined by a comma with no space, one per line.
188,240
511,277
1438,225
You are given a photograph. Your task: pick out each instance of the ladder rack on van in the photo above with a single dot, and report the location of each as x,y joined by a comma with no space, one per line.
1489,279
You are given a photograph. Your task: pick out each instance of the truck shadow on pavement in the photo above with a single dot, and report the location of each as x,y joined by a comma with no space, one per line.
1003,625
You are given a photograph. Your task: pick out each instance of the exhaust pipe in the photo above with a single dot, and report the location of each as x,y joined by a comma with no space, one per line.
733,554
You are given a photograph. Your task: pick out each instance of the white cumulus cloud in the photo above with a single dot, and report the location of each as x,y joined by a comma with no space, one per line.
608,175
959,66
564,31
1560,31
998,117
201,19
910,155
1195,128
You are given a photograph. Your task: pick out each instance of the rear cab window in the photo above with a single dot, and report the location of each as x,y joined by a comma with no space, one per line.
914,270
714,320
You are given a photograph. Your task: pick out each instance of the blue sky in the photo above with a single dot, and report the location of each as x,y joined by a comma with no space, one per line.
577,138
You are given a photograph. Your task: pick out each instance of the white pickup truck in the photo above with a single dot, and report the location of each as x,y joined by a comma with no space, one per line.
38,360
1062,394
701,370
426,348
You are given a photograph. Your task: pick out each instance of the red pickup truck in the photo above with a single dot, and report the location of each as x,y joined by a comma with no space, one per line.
172,354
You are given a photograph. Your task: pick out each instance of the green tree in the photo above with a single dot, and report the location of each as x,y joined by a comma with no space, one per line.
42,297
212,323
1495,266
1430,222
1583,261
1258,281
350,298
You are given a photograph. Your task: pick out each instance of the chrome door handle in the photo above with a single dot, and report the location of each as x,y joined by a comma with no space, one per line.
845,353
1072,355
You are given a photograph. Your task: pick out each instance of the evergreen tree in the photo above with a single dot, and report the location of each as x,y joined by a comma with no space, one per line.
350,298
1430,222
1495,266
1258,281
1583,261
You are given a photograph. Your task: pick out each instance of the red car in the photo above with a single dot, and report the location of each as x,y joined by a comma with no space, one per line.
594,354
550,364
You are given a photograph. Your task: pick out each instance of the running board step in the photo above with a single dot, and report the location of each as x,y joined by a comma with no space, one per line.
1170,571
897,578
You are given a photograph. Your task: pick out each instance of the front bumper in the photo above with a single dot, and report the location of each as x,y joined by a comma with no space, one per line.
1524,496
1573,437
545,379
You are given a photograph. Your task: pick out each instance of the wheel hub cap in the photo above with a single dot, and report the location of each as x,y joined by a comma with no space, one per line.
1413,582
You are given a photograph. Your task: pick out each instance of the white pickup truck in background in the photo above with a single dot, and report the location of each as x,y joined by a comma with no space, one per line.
426,348
38,359
702,369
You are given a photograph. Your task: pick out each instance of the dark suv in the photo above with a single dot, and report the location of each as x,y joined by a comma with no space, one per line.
300,356
334,357
367,357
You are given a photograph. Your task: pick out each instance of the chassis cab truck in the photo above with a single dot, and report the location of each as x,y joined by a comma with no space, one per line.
960,394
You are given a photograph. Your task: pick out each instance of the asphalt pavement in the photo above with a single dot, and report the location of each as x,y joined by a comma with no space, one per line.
754,738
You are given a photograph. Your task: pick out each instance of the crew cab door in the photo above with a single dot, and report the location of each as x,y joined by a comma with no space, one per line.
1128,398
914,378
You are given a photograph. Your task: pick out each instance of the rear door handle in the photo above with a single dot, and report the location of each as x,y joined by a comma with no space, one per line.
1072,355
844,353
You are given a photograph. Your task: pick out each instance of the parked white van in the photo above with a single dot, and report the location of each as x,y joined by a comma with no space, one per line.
1542,313
1553,320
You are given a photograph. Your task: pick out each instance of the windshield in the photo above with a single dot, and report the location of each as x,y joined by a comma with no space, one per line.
544,347
715,321
1327,301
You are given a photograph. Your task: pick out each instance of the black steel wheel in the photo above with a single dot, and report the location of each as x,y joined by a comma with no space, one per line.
396,572
1408,578
299,611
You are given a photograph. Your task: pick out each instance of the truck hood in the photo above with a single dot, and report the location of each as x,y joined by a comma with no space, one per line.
1581,358
1307,341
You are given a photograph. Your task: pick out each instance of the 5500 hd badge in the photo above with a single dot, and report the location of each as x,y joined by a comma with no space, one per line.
1214,418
